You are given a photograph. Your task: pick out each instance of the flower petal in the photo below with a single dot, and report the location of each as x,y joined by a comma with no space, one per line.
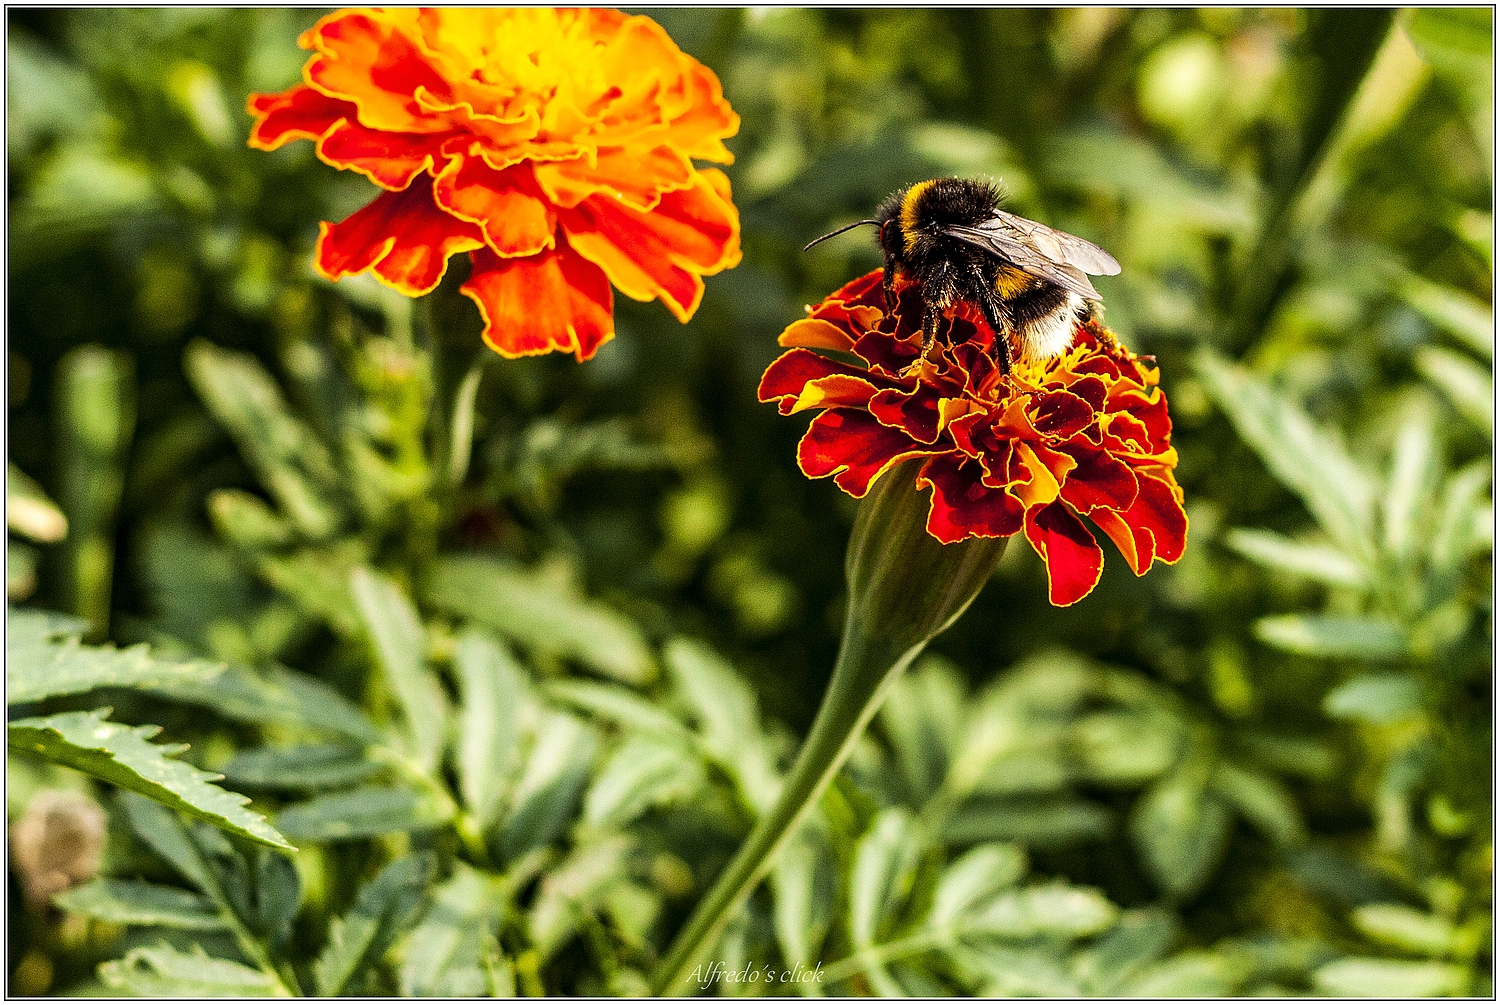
815,333
1158,510
854,448
636,177
298,113
1074,559
507,205
962,505
802,379
373,58
692,232
554,300
390,160
403,236
1098,481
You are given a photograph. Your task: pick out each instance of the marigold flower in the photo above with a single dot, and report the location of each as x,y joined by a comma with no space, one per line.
556,147
1085,434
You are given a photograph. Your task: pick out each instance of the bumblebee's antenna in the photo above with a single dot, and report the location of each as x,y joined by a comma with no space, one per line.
836,233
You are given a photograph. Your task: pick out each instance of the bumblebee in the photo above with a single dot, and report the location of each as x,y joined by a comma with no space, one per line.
1030,281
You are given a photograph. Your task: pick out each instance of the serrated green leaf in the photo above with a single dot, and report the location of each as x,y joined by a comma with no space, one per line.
163,972
1375,698
119,754
885,863
1334,637
980,874
1467,385
290,460
493,690
276,695
387,907
1304,458
642,773
323,766
160,828
1321,563
444,956
393,625
541,615
1367,977
364,812
133,902
44,659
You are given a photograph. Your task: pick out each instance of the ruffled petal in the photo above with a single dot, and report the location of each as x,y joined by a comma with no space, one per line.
636,177
853,448
554,300
507,205
802,379
1098,481
390,160
374,59
1158,510
298,113
1074,559
962,505
662,253
403,236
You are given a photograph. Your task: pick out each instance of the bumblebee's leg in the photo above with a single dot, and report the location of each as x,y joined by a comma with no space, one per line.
930,315
888,282
995,314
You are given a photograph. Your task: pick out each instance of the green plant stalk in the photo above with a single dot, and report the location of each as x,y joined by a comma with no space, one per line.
904,589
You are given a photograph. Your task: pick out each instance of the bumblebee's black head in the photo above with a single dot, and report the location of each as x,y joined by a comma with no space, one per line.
914,216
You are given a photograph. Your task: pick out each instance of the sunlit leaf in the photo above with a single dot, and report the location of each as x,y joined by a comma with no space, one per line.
87,742
1371,977
324,766
134,902
1377,698
1467,385
363,812
401,649
1317,562
885,863
494,692
1363,638
443,957
163,972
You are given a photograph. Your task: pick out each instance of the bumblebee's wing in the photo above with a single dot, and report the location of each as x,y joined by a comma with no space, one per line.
1041,251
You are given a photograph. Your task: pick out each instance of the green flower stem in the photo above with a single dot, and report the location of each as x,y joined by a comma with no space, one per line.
904,588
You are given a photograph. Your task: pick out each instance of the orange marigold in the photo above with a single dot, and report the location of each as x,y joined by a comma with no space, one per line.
556,147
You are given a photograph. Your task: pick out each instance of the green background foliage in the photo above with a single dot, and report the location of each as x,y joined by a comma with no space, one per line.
514,652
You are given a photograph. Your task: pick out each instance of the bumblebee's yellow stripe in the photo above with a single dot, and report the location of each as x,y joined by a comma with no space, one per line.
1011,282
909,214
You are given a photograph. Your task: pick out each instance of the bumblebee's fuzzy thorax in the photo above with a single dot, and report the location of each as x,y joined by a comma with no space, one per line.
911,221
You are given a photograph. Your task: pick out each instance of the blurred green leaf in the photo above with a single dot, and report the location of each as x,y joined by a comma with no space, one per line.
320,766
386,909
400,645
494,694
551,783
644,772
1454,311
87,742
291,462
1041,823
1307,460
1366,977
363,812
1405,928
885,863
728,717
1361,638
275,695
1375,698
133,902
163,972
804,882
539,615
1180,830
980,874
1466,384
28,511
1320,563
443,956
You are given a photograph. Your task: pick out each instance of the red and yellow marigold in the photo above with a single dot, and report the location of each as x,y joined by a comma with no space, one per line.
1084,435
556,147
